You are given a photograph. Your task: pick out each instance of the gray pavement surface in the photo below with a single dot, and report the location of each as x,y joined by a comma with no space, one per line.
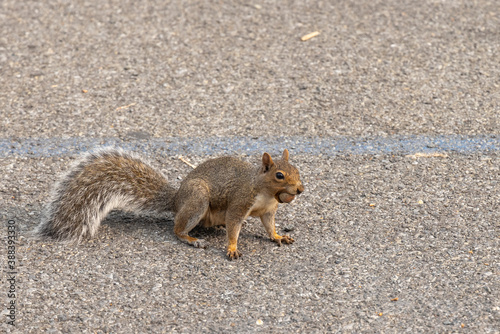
391,114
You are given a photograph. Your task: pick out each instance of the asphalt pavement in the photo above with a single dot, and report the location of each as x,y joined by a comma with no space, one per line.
391,114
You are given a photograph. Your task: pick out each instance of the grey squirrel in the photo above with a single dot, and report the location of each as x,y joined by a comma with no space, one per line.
221,191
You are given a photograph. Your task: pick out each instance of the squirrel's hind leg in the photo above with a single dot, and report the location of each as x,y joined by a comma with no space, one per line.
191,211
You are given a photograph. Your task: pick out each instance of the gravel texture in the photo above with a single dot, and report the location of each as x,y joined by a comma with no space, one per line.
368,229
387,240
183,69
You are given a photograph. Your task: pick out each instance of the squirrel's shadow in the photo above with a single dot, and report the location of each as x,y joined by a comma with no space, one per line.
155,227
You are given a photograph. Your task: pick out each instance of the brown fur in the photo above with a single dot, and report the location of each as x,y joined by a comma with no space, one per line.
222,191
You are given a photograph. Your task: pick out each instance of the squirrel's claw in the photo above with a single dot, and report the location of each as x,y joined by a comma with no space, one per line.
234,254
279,239
200,243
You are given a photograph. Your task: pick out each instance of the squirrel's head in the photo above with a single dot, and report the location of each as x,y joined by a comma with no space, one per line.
282,178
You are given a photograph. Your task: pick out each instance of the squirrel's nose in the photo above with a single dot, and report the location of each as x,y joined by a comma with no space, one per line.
300,189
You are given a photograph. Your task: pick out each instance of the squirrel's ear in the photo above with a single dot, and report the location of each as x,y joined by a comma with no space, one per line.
267,162
285,155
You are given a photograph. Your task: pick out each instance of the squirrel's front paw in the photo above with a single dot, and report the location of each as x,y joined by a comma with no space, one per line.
283,239
233,253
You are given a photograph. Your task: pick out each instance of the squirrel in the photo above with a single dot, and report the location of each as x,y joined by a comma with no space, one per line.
220,191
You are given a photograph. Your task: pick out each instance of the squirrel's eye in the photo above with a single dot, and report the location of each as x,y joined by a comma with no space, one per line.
280,176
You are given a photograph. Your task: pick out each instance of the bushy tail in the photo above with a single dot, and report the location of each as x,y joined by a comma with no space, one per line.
100,182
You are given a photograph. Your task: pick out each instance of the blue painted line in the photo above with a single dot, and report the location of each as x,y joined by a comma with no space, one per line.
328,146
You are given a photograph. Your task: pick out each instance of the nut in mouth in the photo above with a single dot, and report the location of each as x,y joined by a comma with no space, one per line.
284,197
